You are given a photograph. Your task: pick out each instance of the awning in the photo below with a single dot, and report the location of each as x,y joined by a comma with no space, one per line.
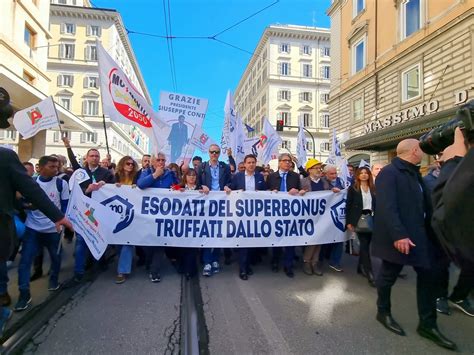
389,137
23,94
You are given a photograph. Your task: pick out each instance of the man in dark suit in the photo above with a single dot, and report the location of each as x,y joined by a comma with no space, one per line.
287,181
178,138
402,236
213,175
248,180
13,178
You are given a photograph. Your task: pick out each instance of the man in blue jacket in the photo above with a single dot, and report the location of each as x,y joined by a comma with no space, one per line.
213,175
248,180
159,178
402,236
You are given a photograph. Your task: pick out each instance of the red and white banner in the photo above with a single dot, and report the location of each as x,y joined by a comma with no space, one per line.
33,119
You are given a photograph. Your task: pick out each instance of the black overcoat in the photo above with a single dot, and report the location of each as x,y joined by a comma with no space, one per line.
354,205
403,210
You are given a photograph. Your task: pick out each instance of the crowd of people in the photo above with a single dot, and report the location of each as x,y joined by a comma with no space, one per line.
387,208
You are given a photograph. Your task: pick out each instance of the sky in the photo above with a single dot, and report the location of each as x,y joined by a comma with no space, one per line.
205,68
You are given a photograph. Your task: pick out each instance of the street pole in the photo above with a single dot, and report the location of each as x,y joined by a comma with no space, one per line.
106,138
312,138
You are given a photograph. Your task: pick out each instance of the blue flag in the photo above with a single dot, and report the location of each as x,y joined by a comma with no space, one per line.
249,129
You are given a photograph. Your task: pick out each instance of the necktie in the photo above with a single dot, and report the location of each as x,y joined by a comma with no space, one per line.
283,182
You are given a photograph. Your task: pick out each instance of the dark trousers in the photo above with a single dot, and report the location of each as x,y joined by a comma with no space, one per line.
154,255
425,291
245,255
188,261
464,285
364,251
288,256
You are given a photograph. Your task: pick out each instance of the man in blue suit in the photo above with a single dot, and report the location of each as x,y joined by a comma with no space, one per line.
213,175
178,138
247,180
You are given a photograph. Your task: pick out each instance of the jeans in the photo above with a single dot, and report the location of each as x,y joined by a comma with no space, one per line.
32,240
425,291
336,254
244,259
210,255
154,255
81,251
125,258
3,277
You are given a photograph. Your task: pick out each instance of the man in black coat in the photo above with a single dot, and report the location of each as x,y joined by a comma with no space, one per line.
13,178
178,138
402,236
288,181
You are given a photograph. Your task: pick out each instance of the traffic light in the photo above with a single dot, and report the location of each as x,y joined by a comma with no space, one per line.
279,125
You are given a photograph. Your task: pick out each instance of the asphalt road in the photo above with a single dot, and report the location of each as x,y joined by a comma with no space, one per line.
268,314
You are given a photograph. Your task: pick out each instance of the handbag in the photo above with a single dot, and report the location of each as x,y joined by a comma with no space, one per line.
365,224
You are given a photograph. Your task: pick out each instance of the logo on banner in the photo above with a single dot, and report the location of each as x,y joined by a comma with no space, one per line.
338,215
90,215
34,115
204,138
123,208
121,92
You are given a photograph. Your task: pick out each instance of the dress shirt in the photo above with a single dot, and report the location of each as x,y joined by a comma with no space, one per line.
249,182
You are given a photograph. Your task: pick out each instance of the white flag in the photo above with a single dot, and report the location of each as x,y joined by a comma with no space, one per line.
123,103
301,144
201,140
268,144
229,122
33,119
91,220
238,138
364,164
344,172
335,154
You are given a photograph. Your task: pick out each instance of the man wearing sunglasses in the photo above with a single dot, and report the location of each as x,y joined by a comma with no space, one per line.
213,175
161,178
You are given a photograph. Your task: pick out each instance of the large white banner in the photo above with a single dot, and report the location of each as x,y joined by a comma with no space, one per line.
239,219
33,119
184,113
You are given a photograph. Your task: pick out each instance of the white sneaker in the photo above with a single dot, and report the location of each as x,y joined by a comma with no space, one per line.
215,267
207,271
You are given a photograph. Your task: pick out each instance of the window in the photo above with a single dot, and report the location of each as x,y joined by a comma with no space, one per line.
306,96
410,12
91,52
309,146
305,49
284,95
66,134
325,120
88,137
91,82
325,51
29,37
284,68
62,2
65,102
66,80
325,147
68,28
284,48
411,86
285,144
285,116
66,51
94,31
325,71
264,55
358,109
114,142
307,70
358,56
357,7
324,98
307,119
8,134
264,99
90,107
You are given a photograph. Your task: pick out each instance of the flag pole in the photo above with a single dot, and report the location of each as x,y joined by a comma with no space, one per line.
106,138
187,146
57,116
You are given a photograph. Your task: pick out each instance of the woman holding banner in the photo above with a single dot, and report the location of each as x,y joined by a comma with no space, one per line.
360,205
126,174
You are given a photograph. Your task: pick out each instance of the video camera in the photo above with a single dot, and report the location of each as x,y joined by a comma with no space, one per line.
439,138
6,110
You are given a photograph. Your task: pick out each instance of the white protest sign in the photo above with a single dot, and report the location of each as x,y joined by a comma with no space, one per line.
33,119
239,219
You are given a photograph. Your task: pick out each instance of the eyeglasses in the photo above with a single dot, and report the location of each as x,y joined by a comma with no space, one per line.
129,163
286,160
214,151
160,159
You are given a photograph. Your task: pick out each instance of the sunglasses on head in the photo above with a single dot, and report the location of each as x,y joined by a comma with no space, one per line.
214,151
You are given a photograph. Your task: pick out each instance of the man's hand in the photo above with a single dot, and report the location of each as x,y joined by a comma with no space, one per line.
302,192
204,189
336,189
64,222
94,187
293,192
458,148
66,142
158,172
227,190
350,227
404,245
229,152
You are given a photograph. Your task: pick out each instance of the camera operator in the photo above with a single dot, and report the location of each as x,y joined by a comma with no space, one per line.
453,201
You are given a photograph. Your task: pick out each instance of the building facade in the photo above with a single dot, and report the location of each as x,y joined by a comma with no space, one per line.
399,69
73,68
286,79
24,39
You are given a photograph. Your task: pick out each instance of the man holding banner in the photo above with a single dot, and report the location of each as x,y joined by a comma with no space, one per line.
213,175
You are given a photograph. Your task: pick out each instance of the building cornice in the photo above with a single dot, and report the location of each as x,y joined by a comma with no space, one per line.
336,5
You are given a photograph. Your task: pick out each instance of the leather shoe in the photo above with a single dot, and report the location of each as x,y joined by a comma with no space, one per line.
390,323
243,276
5,300
435,336
370,277
289,272
275,267
249,271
